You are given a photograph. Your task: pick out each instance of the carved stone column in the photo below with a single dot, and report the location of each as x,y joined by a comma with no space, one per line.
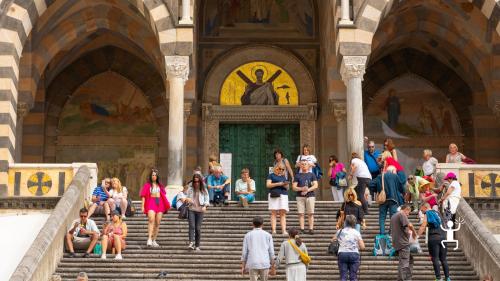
177,68
352,71
22,111
186,12
308,128
345,13
210,135
339,112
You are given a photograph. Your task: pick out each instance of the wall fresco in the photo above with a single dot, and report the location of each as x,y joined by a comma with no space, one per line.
259,83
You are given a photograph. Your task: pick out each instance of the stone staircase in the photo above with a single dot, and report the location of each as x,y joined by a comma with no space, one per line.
219,259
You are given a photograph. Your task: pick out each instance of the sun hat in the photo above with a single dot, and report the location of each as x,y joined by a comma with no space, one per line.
450,175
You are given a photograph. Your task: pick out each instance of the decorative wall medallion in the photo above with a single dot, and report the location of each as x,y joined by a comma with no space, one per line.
39,184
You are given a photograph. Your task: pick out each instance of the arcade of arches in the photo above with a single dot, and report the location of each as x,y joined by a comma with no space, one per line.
127,85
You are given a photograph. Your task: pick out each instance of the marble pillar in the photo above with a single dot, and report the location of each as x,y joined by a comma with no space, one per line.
177,68
352,71
345,13
339,113
22,111
186,12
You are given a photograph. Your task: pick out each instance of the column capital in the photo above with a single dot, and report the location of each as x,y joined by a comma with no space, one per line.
353,67
177,67
22,110
339,109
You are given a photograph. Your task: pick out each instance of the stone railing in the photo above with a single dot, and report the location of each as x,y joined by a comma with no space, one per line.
41,259
477,180
477,242
44,180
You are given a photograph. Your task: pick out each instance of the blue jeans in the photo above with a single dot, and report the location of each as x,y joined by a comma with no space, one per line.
389,206
250,197
349,263
213,191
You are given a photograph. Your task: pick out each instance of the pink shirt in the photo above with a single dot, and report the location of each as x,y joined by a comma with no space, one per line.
339,167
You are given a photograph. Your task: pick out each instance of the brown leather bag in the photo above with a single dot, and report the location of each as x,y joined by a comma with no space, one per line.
381,197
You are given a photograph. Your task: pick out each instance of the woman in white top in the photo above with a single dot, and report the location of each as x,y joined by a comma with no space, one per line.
429,165
454,156
452,196
350,242
295,269
307,156
119,194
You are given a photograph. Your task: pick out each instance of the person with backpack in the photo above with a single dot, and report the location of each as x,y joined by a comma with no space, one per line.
293,251
350,242
338,180
394,191
432,220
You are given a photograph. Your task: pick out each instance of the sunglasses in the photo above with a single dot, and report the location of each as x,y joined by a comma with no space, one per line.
83,216
280,169
371,146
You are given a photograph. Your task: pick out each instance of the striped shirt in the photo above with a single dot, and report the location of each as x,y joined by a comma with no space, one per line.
99,192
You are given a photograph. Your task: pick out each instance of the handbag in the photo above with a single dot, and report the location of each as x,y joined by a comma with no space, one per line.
381,196
333,248
274,193
183,212
305,258
341,216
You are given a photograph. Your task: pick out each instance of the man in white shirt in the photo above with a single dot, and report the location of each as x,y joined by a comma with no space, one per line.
82,235
257,257
360,170
245,188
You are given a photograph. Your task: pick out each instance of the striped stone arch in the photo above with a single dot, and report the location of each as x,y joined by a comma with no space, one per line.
373,11
17,19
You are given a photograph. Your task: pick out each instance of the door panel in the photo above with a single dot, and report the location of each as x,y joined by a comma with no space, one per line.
252,147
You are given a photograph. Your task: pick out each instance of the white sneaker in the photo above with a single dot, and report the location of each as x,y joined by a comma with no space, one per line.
198,249
124,217
155,245
103,257
191,245
149,243
118,257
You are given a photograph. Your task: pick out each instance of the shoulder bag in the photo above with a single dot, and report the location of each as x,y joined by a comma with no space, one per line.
381,196
305,258
333,248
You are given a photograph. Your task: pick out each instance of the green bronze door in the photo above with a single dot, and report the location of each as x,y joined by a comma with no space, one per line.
252,147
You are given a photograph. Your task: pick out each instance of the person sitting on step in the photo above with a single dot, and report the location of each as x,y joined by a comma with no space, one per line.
100,196
82,235
245,188
119,195
114,236
218,186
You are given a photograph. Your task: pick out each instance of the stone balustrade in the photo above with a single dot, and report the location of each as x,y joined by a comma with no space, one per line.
41,259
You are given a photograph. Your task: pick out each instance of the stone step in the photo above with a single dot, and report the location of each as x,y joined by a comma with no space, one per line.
222,234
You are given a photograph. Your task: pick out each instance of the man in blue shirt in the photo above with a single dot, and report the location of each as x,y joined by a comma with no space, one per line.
218,186
100,196
372,160
257,257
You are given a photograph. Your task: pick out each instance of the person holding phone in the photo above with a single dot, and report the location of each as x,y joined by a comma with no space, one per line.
278,197
100,196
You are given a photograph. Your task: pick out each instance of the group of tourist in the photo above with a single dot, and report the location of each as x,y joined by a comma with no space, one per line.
379,171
